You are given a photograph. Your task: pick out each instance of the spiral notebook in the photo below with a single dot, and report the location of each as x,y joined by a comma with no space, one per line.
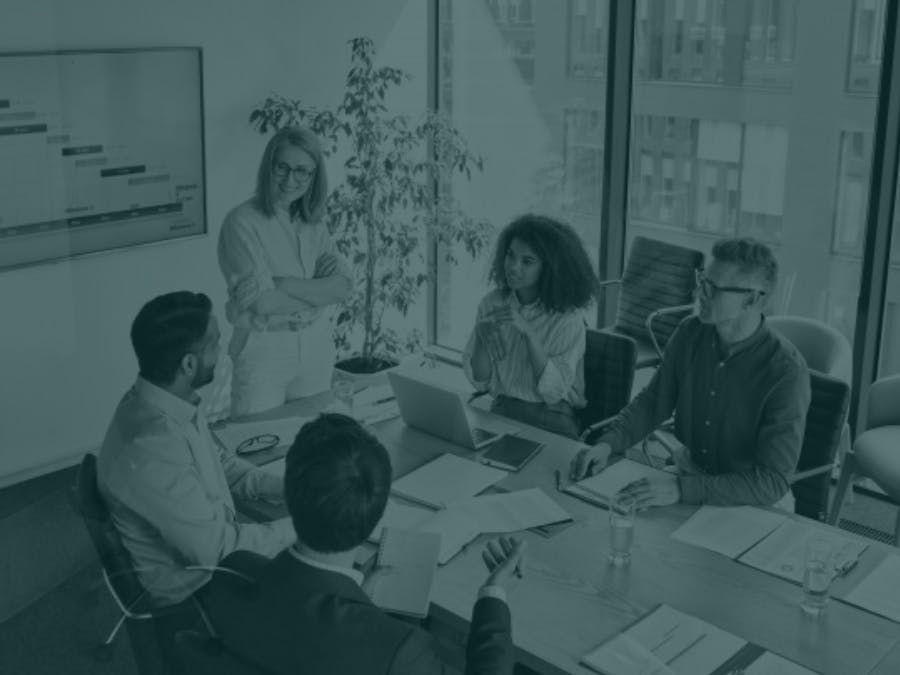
411,557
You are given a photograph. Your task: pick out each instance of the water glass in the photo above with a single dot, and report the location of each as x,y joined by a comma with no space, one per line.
342,390
817,575
621,529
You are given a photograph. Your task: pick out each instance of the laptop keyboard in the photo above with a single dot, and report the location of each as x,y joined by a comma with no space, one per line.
480,435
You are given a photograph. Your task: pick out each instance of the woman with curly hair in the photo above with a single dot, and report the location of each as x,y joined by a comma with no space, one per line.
527,346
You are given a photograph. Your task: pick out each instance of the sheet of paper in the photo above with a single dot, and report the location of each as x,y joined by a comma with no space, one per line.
275,468
411,557
374,413
612,479
772,664
879,592
445,480
371,396
729,530
402,516
782,552
455,528
286,428
665,641
512,511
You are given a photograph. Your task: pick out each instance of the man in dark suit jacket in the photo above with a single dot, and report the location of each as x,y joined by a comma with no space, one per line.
307,610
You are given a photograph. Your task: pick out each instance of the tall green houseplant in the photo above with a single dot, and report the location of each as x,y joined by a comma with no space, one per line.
394,202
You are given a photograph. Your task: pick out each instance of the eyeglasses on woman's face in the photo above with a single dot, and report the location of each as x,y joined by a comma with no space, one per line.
300,173
710,289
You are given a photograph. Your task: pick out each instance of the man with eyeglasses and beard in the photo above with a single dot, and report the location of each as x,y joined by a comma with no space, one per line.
165,481
739,393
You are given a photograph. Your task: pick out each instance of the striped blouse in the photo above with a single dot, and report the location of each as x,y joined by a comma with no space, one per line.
562,335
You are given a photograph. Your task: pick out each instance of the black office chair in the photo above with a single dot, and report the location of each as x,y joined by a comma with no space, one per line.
200,654
609,364
828,409
657,275
138,610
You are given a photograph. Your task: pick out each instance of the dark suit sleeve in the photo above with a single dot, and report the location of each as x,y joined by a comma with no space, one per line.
489,650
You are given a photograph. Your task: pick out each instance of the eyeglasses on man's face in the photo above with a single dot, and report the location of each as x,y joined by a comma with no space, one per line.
299,173
711,289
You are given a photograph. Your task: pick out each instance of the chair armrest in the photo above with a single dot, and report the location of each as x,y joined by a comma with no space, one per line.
609,282
883,396
809,473
663,311
595,428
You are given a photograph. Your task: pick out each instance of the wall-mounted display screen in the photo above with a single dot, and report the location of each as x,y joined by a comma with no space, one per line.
99,150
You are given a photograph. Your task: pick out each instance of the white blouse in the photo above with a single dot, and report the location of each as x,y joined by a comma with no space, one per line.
562,334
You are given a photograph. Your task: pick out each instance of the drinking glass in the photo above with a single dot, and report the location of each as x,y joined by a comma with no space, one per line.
621,529
817,574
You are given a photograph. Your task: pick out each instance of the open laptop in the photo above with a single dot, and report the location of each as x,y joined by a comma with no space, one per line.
440,412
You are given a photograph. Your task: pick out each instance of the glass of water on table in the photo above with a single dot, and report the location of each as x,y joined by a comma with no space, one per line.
621,529
818,572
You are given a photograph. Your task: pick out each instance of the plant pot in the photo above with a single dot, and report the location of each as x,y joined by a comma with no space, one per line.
365,372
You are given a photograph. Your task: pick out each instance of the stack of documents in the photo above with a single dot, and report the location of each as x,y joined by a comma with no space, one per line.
878,592
667,641
602,487
729,530
782,552
375,404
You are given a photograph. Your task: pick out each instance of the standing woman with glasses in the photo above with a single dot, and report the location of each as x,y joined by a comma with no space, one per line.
527,345
284,278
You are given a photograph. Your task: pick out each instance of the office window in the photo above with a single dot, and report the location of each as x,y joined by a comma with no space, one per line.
889,358
777,151
867,43
538,125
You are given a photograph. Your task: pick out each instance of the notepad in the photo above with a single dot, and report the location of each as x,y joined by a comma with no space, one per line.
411,556
729,530
782,552
445,480
455,528
602,487
511,453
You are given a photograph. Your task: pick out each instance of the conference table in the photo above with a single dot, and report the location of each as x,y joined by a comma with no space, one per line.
571,599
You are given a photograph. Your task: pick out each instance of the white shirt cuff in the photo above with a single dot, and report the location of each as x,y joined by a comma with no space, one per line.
492,591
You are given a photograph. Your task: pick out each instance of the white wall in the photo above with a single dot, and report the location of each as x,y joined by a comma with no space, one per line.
65,356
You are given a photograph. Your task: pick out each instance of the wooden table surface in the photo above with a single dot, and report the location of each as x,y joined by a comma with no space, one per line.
571,599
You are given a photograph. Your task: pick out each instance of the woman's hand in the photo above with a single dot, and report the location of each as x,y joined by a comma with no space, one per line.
509,316
488,334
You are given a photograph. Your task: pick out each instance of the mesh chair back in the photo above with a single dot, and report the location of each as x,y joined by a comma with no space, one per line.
113,556
609,363
825,421
657,274
200,654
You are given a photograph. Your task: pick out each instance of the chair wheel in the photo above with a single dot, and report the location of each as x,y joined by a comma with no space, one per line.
103,653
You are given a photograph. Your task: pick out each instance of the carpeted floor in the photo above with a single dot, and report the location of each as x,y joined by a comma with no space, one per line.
59,634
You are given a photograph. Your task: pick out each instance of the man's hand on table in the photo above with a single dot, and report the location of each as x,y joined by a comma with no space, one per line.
589,461
504,559
661,491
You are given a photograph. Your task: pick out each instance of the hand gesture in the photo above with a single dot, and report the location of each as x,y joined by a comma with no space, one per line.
244,293
589,460
326,265
506,315
646,492
489,335
504,559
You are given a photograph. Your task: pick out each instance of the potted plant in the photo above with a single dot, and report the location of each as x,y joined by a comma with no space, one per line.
395,202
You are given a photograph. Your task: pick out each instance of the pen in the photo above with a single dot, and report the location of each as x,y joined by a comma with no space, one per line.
847,567
558,480
519,571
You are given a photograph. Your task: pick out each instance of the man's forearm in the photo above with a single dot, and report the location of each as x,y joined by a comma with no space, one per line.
317,292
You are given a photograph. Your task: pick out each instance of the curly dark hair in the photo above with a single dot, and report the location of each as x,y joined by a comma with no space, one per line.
567,279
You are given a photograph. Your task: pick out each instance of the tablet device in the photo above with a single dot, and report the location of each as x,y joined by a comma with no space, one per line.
511,453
